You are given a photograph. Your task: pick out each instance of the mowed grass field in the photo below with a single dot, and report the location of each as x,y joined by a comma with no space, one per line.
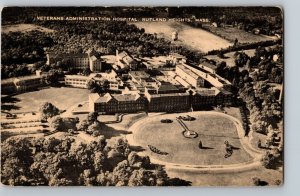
212,129
63,98
231,33
25,28
190,37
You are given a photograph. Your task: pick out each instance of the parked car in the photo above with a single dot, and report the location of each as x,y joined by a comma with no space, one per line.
11,116
188,118
166,121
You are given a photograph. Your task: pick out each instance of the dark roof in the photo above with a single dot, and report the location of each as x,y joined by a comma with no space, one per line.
209,65
167,87
139,74
67,55
148,80
126,97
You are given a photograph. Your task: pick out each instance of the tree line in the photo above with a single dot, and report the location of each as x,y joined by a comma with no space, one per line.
61,162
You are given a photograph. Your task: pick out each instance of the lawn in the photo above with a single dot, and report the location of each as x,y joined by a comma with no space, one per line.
25,28
190,37
212,129
63,98
231,33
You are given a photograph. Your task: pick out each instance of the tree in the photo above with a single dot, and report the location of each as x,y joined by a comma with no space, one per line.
259,144
92,85
268,160
178,182
87,71
92,117
241,59
83,126
63,124
48,110
134,159
140,50
104,86
122,146
60,162
16,158
161,176
121,173
95,127
139,177
52,77
56,123
256,181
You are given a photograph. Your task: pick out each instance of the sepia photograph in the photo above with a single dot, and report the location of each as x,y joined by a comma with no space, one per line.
142,96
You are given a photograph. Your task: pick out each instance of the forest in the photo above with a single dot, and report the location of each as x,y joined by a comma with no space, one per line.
61,162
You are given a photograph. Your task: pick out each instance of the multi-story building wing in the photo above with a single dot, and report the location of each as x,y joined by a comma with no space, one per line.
117,103
189,76
76,60
213,79
209,97
171,102
21,84
95,64
79,61
78,81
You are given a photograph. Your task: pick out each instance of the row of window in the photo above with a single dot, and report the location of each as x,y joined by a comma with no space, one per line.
78,80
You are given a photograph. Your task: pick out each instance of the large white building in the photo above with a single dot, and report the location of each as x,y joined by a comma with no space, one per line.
197,75
76,60
189,76
80,81
77,81
21,84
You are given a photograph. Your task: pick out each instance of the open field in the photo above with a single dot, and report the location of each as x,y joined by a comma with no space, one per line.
25,28
63,98
190,37
212,129
231,33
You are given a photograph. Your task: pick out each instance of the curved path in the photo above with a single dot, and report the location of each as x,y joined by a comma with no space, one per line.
245,166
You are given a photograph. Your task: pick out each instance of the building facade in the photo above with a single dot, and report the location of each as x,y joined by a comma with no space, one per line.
171,102
21,84
76,60
189,76
95,64
202,98
117,103
77,81
126,61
